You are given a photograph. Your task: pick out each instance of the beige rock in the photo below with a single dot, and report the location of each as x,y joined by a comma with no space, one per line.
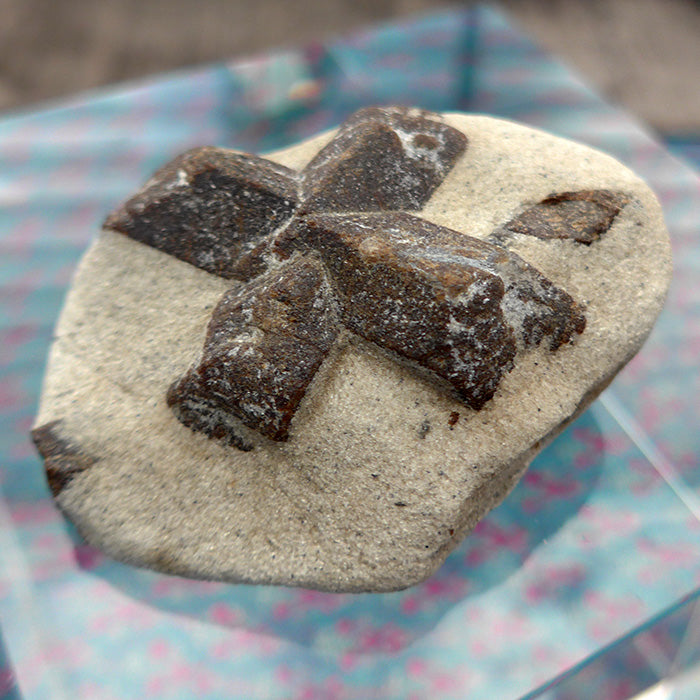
384,470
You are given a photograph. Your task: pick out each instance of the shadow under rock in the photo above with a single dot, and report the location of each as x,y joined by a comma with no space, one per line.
557,484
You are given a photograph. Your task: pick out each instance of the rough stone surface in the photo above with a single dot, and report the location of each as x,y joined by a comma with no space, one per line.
264,345
454,304
471,301
62,460
382,159
580,216
390,458
211,208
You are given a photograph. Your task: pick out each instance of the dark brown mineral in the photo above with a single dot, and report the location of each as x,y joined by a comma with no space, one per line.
62,459
452,303
213,209
264,344
382,160
346,254
582,216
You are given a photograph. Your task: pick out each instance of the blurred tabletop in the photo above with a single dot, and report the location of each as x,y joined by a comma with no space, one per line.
643,54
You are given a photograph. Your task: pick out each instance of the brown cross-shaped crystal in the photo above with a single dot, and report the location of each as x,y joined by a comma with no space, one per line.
338,246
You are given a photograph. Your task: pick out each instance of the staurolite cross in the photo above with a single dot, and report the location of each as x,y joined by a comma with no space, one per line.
339,246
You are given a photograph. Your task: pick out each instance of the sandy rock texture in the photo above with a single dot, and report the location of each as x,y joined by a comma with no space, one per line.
337,402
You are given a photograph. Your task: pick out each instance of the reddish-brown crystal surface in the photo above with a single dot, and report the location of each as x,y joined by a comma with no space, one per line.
581,216
62,459
334,247
263,347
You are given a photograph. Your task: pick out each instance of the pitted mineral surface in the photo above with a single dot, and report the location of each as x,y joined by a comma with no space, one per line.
322,367
581,216
469,300
454,304
211,208
382,159
62,460
264,344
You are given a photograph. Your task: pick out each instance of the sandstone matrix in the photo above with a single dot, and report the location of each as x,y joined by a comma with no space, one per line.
324,366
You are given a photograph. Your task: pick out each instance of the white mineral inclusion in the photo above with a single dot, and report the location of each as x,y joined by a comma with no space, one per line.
417,152
326,509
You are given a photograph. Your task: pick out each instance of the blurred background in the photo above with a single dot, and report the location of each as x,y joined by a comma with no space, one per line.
643,54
